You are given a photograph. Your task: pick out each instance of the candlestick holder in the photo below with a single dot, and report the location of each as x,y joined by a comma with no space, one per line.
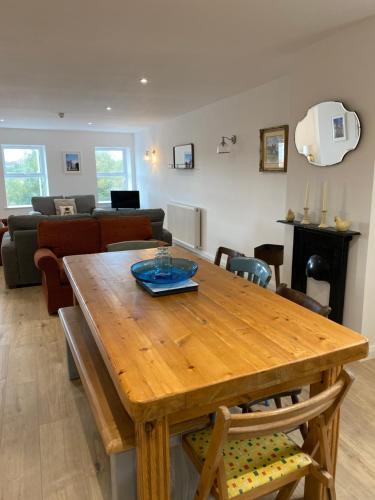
323,219
306,216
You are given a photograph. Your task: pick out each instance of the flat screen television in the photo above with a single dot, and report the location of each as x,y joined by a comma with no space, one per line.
125,199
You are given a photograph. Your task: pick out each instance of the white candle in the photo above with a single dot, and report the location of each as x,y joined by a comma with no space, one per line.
307,195
325,189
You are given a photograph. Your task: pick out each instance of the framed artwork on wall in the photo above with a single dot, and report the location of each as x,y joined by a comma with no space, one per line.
183,156
72,162
338,128
274,149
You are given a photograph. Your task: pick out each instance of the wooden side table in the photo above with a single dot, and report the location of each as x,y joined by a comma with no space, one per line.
273,255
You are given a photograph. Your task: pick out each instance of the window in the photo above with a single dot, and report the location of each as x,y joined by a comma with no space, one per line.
111,171
25,174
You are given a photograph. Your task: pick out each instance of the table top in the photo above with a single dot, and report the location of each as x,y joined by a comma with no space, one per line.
171,353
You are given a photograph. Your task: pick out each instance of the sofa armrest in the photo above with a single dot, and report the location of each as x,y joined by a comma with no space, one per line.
166,236
46,261
10,261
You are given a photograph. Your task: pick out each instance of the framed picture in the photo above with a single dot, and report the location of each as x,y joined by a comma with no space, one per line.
339,128
274,149
72,162
183,156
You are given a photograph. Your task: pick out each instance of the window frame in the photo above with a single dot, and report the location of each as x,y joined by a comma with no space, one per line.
43,174
125,172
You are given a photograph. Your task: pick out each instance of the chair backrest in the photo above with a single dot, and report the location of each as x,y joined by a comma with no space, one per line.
258,271
134,245
251,425
230,254
303,300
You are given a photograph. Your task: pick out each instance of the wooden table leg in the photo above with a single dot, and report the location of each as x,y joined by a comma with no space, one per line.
313,489
153,460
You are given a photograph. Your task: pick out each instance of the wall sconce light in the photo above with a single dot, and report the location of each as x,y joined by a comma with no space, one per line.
152,156
224,147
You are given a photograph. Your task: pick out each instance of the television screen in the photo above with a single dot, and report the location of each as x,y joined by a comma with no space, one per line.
125,199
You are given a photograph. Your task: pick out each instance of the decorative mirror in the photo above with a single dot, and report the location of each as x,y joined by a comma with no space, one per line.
327,133
183,156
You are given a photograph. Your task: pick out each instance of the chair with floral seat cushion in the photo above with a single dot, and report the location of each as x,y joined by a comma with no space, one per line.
251,455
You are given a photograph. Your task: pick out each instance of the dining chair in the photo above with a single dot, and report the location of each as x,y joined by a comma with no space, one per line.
251,455
229,253
135,245
258,271
313,305
273,255
303,300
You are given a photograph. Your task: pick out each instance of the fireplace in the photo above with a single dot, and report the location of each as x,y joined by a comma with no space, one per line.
323,255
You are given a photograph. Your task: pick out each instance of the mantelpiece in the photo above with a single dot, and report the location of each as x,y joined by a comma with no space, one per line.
332,247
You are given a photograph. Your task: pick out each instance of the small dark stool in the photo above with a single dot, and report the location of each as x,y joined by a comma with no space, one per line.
273,255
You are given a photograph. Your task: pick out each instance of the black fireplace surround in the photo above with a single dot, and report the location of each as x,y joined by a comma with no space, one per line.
321,254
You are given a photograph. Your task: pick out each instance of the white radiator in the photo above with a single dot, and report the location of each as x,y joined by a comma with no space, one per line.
184,222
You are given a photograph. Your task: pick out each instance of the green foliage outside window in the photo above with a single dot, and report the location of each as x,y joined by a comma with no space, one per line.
23,176
110,173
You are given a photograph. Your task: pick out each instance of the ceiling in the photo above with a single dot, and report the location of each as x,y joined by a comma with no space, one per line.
80,56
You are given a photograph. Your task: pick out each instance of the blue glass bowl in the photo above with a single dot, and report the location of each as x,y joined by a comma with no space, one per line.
182,269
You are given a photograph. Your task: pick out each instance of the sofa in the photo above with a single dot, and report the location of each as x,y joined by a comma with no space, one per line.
45,205
20,242
57,239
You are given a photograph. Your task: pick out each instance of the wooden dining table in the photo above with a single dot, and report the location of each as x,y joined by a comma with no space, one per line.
183,355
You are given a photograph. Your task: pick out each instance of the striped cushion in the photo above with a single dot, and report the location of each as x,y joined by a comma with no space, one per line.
250,463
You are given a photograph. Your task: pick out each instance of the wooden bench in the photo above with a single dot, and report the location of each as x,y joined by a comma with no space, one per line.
115,426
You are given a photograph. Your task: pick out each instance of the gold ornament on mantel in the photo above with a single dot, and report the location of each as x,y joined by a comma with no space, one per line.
290,216
342,225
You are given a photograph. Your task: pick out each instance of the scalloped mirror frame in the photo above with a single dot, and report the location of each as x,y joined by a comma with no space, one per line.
327,133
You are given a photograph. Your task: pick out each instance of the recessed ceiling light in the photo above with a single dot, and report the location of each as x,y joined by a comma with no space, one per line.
90,123
108,108
144,81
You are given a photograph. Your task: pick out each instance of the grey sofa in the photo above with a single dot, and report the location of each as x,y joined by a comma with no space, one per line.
20,242
44,205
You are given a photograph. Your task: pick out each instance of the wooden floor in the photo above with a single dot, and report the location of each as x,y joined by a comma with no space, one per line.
49,447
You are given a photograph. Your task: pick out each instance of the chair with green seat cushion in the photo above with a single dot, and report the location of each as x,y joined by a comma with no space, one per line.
258,271
250,455
135,245
274,456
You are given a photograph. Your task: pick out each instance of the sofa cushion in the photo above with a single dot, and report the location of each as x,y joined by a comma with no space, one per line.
115,229
44,204
23,222
85,203
69,237
154,214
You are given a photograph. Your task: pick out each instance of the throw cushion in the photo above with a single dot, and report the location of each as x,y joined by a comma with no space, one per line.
115,229
66,210
65,202
71,237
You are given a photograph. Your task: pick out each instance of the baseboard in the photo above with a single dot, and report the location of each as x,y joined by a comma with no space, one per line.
197,251
371,352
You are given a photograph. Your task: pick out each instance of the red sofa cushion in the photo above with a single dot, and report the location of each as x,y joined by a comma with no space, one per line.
71,237
115,229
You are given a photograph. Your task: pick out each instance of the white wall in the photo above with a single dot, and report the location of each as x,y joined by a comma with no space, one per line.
337,69
56,142
241,205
